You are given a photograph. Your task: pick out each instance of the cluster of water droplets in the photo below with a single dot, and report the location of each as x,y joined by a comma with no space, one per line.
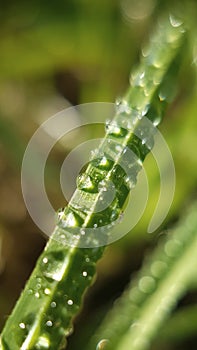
62,304
96,188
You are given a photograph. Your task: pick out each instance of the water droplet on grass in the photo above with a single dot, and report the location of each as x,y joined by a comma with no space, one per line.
85,183
54,269
175,22
45,260
60,214
47,291
49,323
131,181
43,342
113,129
103,163
30,291
82,231
102,344
147,284
162,96
71,219
156,121
53,304
22,325
122,106
173,247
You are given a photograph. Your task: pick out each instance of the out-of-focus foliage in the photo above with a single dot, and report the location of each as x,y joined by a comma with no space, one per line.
75,51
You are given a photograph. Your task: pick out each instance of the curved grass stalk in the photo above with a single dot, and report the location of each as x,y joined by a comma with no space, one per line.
42,317
145,305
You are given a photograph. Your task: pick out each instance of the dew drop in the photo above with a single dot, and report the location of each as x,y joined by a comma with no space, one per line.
131,180
175,22
140,116
53,304
94,153
172,247
147,284
60,214
54,269
22,325
103,186
145,51
30,291
47,291
162,96
115,214
122,106
114,129
137,79
145,110
49,323
103,163
139,162
37,295
28,321
38,286
118,148
71,219
45,260
82,231
85,183
102,344
70,302
156,121
84,273
43,342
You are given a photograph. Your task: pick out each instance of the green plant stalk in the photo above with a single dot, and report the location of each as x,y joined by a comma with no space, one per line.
42,317
181,326
165,277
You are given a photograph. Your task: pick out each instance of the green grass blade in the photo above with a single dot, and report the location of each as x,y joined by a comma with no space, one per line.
181,326
42,317
165,277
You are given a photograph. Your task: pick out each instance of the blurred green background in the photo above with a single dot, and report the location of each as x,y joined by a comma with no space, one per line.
55,54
